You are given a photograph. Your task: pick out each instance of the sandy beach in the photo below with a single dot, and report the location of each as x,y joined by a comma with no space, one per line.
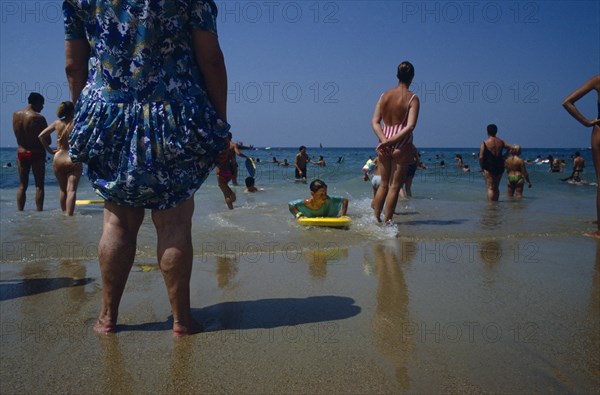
492,316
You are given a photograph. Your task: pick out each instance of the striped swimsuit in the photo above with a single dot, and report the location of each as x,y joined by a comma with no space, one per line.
392,130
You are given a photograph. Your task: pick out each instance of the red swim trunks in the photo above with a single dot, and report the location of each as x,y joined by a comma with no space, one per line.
226,175
29,157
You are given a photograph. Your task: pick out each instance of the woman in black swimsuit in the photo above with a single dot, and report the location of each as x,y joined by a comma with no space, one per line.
569,105
491,161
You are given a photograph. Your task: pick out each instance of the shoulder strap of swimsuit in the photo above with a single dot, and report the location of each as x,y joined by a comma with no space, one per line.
407,107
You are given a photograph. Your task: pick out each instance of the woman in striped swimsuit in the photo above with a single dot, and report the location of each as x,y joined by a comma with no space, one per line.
393,122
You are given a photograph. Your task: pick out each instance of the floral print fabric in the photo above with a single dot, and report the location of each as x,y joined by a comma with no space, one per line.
143,122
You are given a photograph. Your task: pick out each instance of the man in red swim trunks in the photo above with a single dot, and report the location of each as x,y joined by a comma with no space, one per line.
31,155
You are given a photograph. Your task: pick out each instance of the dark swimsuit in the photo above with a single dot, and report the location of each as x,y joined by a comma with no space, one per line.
492,163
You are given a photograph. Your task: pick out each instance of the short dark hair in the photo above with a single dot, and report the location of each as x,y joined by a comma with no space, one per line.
317,184
35,97
406,72
492,129
249,182
301,148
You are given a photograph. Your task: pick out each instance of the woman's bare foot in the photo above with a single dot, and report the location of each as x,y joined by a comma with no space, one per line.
180,329
105,326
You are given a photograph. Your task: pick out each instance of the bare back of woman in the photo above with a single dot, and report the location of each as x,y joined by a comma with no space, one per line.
67,173
393,122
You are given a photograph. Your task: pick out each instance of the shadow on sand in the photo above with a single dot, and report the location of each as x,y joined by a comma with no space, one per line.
12,289
263,313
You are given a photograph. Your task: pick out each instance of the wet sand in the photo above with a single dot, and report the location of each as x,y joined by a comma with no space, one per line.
498,315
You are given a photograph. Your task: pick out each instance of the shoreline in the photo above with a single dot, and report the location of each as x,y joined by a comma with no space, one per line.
389,317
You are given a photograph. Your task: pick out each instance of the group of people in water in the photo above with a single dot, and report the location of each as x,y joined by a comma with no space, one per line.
33,136
393,122
133,172
152,128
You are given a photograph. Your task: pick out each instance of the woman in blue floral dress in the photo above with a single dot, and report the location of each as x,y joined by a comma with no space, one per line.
150,86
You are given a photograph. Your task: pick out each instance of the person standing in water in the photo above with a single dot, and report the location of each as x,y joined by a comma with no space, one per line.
393,122
67,173
516,173
491,161
31,156
592,84
150,86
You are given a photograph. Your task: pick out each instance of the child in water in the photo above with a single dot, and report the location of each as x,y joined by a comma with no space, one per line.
319,204
250,187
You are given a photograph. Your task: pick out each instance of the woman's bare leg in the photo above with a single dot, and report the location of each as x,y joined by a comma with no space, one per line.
384,162
62,179
397,179
175,256
596,159
71,188
116,253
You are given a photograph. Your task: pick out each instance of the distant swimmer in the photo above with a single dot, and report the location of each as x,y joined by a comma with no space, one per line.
340,159
300,163
320,162
285,163
459,160
578,165
319,204
516,172
371,168
406,188
556,165
250,187
225,170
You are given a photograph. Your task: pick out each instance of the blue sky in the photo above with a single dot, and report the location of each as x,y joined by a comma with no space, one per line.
310,72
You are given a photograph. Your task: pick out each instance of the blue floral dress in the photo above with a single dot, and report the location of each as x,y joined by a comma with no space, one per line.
143,122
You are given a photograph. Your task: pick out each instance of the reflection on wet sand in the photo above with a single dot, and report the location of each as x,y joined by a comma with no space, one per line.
180,380
227,268
595,299
491,217
391,322
490,252
594,320
318,259
116,376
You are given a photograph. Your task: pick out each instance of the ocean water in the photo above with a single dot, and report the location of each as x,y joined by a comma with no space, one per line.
447,204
